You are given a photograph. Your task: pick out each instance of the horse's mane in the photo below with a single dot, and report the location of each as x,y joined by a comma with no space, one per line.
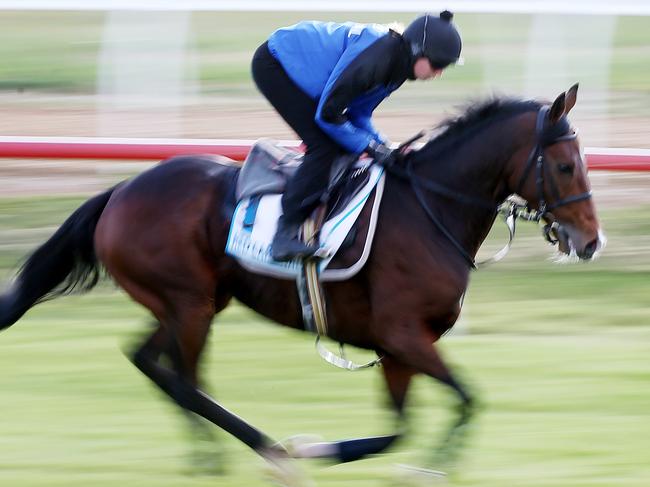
475,117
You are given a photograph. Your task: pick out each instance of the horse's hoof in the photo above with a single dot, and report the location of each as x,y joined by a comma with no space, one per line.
282,470
299,446
422,476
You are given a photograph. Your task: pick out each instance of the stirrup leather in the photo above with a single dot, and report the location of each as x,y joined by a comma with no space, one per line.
313,306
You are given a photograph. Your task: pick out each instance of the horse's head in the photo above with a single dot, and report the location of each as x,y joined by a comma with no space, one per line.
552,178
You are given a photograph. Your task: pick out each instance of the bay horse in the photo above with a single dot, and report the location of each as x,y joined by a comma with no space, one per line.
161,237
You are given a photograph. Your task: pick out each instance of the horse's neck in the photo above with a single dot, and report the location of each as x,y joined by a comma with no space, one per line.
478,170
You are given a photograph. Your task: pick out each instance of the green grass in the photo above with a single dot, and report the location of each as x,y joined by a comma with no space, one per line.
557,354
51,50
561,409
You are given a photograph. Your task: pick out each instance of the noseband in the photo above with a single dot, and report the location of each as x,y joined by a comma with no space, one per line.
545,137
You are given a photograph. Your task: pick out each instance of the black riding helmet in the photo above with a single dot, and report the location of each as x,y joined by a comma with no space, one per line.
435,38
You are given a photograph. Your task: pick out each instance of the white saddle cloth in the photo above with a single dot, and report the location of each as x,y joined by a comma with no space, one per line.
255,220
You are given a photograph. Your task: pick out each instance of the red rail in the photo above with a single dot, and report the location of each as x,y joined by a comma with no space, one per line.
608,159
119,148
605,159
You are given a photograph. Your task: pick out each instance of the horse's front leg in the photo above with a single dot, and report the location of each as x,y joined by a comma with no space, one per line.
412,345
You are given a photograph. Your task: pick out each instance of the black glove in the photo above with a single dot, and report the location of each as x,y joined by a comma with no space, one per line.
382,154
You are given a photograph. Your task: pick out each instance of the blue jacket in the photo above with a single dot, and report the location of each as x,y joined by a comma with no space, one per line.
349,68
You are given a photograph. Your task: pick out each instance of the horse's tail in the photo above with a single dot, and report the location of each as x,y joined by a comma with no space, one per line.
65,263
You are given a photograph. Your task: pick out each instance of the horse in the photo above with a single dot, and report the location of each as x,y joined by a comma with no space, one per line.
161,236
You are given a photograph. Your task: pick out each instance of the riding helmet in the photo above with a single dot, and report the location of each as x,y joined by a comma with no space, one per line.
434,37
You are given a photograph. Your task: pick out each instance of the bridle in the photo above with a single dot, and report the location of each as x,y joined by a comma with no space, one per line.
511,208
559,132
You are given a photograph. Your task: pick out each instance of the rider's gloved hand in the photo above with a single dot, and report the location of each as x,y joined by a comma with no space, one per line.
382,154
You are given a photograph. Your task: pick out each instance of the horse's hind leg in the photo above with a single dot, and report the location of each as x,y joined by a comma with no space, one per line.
188,327
206,452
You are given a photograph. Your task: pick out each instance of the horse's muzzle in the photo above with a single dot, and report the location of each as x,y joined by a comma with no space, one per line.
573,242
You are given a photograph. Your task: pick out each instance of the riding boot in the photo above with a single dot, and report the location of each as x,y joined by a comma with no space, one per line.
287,245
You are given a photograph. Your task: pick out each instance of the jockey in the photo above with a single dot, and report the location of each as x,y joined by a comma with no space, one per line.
325,79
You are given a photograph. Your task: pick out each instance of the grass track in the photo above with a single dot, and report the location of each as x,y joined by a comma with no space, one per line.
559,356
560,410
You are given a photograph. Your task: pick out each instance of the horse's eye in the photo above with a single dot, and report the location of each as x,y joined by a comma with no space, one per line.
565,168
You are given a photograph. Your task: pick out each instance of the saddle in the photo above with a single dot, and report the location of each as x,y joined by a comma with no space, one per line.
269,166
259,188
267,169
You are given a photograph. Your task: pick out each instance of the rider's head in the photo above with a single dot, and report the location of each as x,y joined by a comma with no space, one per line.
435,44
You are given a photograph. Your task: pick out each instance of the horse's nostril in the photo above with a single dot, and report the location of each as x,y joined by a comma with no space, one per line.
590,248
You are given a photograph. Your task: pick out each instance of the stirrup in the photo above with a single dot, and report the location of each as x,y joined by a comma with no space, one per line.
341,361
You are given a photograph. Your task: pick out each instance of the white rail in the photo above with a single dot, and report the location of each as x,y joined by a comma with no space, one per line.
587,7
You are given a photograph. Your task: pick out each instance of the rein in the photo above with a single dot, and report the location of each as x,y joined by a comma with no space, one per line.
510,208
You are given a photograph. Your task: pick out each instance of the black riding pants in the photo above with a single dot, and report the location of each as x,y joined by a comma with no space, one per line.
298,110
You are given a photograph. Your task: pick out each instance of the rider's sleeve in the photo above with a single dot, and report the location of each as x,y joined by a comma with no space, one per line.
355,88
362,118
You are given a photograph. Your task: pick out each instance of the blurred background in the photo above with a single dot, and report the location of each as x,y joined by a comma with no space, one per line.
558,354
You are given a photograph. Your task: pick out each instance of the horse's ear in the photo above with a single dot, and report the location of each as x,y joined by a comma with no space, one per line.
558,108
571,97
